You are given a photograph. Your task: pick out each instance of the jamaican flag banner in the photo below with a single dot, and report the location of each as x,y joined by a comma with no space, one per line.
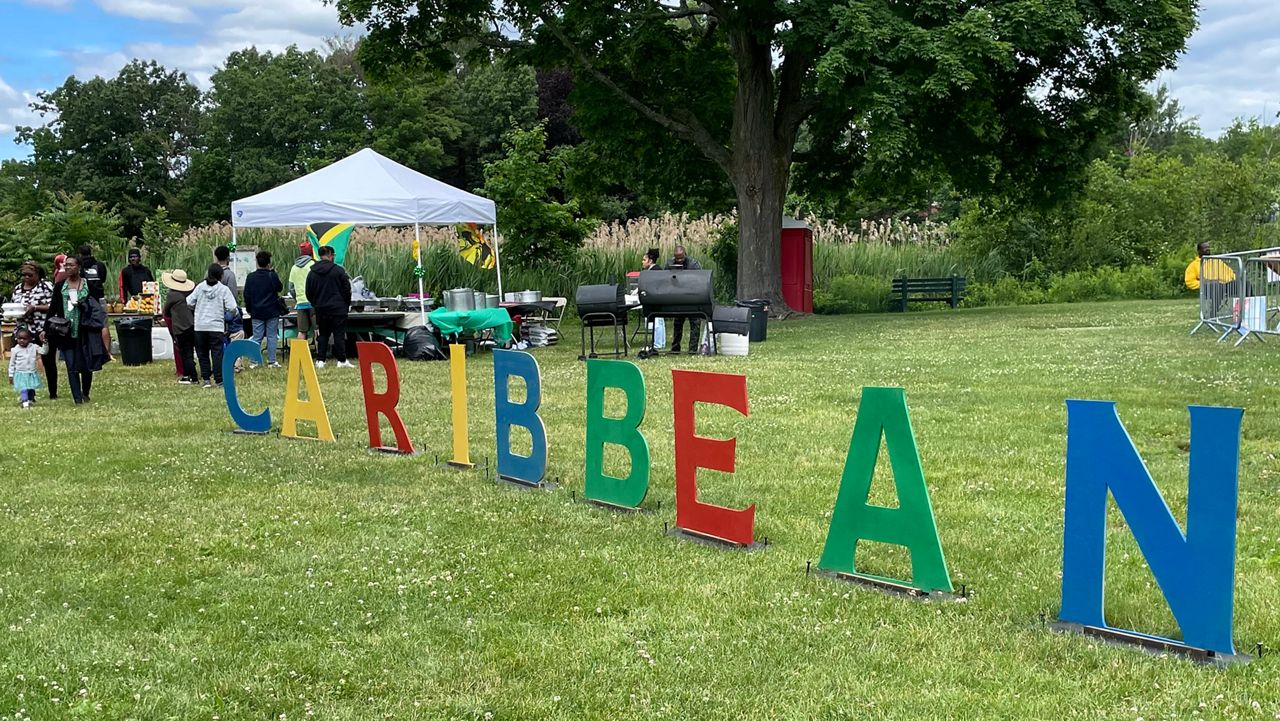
473,246
334,235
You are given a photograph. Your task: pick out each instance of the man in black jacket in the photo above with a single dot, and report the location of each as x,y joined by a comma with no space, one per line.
95,275
133,275
329,291
262,298
680,261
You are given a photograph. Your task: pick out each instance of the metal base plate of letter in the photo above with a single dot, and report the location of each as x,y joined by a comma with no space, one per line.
1153,644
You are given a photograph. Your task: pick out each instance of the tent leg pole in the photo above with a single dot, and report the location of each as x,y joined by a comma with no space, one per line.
497,260
422,297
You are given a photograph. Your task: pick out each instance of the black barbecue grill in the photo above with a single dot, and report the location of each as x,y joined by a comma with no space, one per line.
602,306
675,294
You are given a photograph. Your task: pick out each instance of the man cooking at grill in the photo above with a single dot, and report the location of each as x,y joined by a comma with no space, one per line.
681,261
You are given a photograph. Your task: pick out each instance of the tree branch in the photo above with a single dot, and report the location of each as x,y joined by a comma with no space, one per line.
793,106
685,11
686,126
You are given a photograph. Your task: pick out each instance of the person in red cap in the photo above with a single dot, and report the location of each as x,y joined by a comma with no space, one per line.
298,288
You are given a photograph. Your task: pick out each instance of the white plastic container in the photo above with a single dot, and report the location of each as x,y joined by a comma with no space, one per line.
161,344
732,344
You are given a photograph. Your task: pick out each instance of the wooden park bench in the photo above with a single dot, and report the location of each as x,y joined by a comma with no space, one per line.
946,290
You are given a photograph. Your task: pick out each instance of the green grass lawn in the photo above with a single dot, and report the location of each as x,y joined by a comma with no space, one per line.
155,566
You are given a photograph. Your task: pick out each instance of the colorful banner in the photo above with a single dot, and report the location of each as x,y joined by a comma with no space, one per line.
333,235
473,247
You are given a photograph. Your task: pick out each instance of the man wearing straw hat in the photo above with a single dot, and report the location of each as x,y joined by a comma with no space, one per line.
182,324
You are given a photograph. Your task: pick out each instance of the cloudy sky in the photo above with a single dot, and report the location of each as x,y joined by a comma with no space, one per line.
1231,68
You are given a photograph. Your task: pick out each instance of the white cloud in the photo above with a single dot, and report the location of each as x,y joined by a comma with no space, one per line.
1232,65
55,4
149,10
236,24
14,109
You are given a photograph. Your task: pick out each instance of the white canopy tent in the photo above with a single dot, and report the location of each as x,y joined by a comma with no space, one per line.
367,189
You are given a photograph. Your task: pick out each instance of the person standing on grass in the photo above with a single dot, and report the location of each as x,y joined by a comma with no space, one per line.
211,301
262,298
37,294
222,256
182,323
82,349
298,287
329,291
95,273
133,275
681,261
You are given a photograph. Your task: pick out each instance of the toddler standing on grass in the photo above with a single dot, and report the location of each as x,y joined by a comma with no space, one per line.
22,368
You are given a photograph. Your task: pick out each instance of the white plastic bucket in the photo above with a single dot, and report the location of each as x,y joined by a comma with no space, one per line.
732,344
161,344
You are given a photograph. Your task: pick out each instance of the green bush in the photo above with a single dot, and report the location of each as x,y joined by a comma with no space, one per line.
1004,291
724,254
1139,282
853,294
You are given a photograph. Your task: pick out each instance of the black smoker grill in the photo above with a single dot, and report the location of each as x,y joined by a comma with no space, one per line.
675,294
602,306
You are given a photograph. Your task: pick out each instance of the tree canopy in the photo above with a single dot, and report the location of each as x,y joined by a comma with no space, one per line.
1002,94
125,141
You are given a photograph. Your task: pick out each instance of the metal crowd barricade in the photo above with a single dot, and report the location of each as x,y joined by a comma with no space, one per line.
1240,294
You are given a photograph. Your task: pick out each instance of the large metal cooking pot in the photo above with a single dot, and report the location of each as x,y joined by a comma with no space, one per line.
510,297
459,299
530,296
477,299
491,300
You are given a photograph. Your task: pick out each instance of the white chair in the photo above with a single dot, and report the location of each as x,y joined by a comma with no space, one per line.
556,314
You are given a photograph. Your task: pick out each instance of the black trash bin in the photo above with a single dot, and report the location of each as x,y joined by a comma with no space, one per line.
759,317
134,335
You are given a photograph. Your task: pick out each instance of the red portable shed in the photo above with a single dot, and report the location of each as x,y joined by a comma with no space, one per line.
797,264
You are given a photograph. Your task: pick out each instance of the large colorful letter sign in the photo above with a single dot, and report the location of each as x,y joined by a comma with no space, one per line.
694,452
384,403
883,413
532,468
301,368
260,423
458,405
1196,571
625,431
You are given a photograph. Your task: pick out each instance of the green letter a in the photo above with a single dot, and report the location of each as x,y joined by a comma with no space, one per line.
630,491
884,412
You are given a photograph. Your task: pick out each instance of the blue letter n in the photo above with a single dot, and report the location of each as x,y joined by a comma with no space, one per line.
1196,571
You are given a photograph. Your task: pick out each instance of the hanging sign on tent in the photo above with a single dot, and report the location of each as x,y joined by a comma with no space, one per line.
333,235
473,246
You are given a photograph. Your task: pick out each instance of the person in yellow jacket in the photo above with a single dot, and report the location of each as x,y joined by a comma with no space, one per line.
1214,271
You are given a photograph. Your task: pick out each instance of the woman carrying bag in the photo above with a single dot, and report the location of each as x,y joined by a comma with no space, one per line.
79,334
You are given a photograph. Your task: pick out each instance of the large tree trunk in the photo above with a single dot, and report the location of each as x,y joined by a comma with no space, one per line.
761,166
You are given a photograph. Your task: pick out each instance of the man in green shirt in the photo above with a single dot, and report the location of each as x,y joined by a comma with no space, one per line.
298,287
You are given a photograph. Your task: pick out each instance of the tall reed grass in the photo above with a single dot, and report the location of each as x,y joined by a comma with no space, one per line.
384,255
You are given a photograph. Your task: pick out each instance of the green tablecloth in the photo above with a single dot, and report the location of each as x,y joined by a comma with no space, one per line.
454,322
